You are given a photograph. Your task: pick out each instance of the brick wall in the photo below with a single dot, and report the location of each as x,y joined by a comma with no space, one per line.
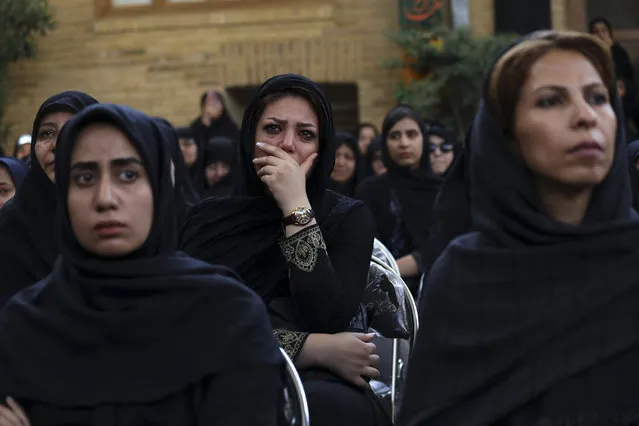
162,63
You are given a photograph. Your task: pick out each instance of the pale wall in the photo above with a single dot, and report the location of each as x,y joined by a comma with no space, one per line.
161,64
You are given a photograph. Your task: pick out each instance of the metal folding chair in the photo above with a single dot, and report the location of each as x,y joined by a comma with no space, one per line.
381,252
401,348
296,405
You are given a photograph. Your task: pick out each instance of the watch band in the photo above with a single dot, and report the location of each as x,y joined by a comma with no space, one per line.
300,217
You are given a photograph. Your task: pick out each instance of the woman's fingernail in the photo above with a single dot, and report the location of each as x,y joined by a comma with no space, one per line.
259,144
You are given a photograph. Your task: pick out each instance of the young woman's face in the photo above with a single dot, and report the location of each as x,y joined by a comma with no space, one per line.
7,187
564,124
602,32
189,151
366,136
110,200
378,164
290,124
345,162
23,151
213,106
216,171
406,143
47,138
441,154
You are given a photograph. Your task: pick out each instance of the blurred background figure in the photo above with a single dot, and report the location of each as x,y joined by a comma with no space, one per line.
214,120
374,163
365,134
219,158
602,29
22,148
348,170
443,149
12,173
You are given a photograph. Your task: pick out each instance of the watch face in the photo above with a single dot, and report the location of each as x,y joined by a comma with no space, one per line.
302,217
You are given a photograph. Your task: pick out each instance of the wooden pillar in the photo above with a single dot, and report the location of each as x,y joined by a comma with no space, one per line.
569,15
482,16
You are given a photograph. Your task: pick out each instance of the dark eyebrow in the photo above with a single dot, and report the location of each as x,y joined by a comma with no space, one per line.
563,89
117,162
48,123
284,122
121,162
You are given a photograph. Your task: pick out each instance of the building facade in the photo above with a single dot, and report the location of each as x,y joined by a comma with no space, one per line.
160,55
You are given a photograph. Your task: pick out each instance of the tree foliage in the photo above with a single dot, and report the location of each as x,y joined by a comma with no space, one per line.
450,65
21,22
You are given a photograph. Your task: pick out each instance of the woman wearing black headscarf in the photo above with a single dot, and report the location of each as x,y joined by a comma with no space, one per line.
121,331
532,319
220,166
27,223
303,249
624,70
374,162
401,200
443,147
12,173
348,170
214,120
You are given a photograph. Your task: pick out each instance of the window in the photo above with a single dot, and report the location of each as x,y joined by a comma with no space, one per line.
141,7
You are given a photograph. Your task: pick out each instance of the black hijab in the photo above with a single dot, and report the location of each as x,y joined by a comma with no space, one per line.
27,223
348,188
221,150
242,232
511,310
633,156
415,189
17,169
132,329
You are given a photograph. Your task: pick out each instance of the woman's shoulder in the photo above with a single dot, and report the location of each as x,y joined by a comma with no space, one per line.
371,186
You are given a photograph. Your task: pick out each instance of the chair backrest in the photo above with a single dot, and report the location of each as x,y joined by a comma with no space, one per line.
381,252
296,405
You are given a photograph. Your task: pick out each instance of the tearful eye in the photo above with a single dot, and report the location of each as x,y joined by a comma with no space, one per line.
271,129
308,135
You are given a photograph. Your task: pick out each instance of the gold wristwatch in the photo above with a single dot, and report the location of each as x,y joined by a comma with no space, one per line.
301,216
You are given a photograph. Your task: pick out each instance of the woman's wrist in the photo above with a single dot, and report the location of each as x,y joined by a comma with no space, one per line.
312,353
290,205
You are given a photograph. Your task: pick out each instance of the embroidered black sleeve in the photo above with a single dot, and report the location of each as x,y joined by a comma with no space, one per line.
303,248
291,341
327,278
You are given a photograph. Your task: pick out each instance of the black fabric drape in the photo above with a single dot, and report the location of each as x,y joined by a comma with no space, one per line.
27,223
633,156
348,188
525,302
131,329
